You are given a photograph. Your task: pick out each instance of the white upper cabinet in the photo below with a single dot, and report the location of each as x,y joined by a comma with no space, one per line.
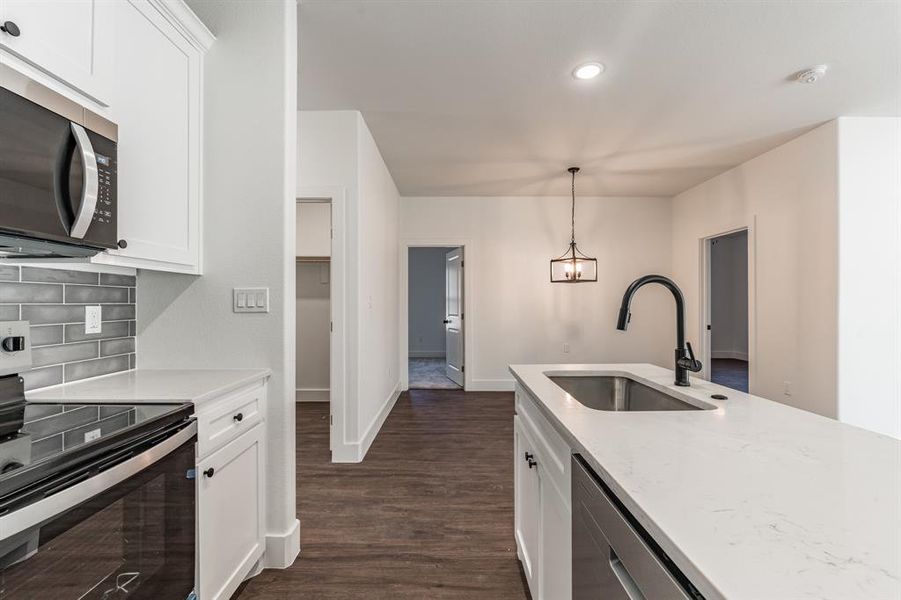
157,105
70,40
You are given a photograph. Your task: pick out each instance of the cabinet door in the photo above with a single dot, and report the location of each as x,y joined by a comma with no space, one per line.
556,543
71,40
157,107
230,515
527,508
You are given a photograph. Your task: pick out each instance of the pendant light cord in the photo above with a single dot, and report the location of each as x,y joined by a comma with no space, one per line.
573,230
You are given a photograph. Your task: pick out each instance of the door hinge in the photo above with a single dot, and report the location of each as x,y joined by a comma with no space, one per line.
462,263
331,233
463,369
708,328
331,326
331,420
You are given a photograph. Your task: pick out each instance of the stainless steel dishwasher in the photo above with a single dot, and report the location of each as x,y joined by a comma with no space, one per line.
613,557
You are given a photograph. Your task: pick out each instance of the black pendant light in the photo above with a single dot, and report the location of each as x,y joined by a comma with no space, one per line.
574,266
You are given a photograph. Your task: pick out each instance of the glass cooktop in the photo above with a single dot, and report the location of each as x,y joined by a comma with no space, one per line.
52,433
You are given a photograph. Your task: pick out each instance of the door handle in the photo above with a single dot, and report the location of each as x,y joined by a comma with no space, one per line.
446,321
90,184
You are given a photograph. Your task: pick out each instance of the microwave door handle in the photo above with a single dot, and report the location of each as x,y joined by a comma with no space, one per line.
90,185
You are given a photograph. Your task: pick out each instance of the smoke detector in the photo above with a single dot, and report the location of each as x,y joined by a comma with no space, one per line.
811,75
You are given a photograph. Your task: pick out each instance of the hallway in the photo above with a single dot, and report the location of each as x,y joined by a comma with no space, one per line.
427,514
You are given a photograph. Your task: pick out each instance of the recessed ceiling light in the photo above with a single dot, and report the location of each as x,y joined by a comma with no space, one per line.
588,70
811,75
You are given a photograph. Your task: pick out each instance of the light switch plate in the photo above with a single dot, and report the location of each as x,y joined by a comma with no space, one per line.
92,319
254,300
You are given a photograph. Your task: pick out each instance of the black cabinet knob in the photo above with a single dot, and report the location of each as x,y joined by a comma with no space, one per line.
238,417
209,472
14,343
446,321
10,28
122,244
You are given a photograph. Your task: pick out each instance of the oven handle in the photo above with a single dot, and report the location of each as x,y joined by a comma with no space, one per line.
90,185
43,510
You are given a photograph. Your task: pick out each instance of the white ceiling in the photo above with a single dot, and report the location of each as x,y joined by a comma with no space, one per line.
476,97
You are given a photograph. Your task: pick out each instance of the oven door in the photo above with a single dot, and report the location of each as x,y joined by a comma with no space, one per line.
57,182
134,539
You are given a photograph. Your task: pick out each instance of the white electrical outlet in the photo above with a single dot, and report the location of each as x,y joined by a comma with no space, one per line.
91,435
250,300
565,348
92,319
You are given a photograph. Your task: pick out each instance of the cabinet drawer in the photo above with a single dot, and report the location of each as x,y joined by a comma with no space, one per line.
227,419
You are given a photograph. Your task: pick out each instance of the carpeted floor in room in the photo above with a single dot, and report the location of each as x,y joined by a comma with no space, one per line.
428,374
731,373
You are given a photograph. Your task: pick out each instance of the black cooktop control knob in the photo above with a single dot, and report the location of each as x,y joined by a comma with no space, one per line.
14,343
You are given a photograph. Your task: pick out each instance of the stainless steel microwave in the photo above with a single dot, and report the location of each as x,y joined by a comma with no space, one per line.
57,174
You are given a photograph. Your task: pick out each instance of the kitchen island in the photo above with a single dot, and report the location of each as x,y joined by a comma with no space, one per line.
749,498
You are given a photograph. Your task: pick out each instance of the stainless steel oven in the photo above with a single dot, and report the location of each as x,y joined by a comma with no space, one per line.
106,519
58,174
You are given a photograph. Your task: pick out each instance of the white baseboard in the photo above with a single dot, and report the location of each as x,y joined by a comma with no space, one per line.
311,395
491,385
282,548
427,354
376,425
729,354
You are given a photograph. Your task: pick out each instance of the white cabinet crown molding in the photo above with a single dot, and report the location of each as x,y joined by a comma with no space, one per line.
189,24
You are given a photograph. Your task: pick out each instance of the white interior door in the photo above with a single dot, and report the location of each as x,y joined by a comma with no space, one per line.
453,319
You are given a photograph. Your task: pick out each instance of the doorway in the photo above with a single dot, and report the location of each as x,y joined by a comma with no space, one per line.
435,318
313,296
728,322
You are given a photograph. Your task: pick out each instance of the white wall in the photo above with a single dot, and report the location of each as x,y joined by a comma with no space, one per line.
313,332
249,154
788,197
337,150
516,314
426,302
314,227
869,337
729,296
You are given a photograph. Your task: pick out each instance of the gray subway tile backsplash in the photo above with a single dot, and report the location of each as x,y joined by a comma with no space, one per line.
116,279
20,293
46,447
117,346
9,273
58,275
63,353
45,335
53,301
93,294
93,368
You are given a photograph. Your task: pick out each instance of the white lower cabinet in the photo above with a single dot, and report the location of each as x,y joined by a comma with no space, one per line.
542,503
231,532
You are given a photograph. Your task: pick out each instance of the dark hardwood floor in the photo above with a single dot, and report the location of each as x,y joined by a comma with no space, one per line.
427,515
730,373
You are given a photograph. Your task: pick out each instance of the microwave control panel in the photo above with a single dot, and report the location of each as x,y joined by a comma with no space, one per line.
106,191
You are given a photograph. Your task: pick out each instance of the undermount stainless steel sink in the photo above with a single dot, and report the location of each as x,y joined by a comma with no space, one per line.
618,394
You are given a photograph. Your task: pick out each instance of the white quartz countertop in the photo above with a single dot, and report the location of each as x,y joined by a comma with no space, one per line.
752,500
152,385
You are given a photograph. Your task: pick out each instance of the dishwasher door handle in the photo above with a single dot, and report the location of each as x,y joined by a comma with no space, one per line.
625,580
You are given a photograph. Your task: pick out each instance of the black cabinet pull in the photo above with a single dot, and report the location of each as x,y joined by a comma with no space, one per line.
238,417
532,463
209,472
529,456
10,28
